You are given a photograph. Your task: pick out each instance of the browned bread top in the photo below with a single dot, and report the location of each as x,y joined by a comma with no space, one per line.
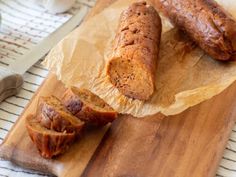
133,64
49,142
53,115
206,22
88,107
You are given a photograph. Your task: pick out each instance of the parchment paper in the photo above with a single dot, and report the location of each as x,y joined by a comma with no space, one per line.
186,76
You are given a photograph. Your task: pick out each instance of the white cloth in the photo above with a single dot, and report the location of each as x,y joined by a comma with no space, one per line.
23,26
19,33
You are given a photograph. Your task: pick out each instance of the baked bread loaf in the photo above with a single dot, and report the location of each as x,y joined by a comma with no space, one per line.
88,107
50,143
54,116
206,22
133,62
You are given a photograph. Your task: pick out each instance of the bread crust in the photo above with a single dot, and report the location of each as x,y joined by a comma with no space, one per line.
81,103
133,63
49,142
206,22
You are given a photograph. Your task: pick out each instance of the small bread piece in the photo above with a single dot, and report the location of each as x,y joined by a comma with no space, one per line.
206,22
53,115
49,142
88,107
133,64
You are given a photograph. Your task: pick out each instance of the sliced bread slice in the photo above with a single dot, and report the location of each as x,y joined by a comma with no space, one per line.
88,107
53,115
50,143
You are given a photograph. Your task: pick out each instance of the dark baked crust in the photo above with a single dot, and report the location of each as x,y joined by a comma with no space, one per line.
133,64
207,23
53,115
49,142
88,107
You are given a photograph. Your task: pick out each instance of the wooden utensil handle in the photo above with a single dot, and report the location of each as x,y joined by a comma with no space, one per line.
10,83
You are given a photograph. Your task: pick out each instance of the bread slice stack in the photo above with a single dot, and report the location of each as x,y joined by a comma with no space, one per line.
58,123
54,116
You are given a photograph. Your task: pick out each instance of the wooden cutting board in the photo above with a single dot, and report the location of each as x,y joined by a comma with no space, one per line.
184,145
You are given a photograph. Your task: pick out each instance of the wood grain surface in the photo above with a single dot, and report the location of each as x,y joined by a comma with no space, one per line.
187,144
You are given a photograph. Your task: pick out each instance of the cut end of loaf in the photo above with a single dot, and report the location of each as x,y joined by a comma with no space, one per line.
130,78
